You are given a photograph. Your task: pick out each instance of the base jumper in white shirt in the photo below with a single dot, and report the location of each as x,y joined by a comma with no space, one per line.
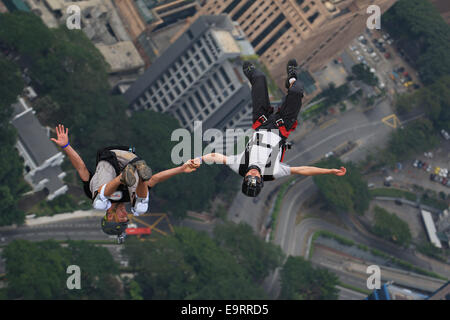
262,159
120,177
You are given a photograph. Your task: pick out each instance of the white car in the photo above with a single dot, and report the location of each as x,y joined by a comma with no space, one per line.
353,48
361,37
445,134
360,58
373,54
329,154
357,52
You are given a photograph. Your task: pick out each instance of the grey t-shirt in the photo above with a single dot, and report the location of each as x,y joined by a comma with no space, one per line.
266,155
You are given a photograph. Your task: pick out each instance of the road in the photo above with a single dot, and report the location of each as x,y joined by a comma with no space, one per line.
368,130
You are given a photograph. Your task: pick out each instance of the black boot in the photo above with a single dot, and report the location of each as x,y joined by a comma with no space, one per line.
291,70
249,70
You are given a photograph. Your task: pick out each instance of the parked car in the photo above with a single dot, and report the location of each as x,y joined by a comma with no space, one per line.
424,165
387,55
445,134
387,183
383,50
436,170
370,50
429,168
420,164
415,163
432,176
398,202
370,185
444,181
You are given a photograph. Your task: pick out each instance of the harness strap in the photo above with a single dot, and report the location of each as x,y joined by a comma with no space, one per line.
260,121
285,133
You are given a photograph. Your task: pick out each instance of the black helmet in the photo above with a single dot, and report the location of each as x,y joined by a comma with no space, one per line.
112,227
252,185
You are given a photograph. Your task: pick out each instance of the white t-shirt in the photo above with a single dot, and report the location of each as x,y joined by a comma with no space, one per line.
264,152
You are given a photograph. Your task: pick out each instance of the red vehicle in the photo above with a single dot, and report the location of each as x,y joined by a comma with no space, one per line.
137,231
387,55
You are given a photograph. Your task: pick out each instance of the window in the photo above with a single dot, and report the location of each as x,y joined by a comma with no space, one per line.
224,75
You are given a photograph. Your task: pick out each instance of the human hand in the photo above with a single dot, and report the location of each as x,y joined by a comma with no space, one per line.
191,165
62,136
339,172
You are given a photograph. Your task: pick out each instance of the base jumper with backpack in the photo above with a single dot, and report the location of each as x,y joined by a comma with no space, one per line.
263,157
120,177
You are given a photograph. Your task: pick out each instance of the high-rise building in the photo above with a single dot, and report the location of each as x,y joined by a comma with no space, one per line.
199,77
310,31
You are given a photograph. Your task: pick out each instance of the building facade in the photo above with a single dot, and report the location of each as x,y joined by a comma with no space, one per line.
199,77
42,160
310,31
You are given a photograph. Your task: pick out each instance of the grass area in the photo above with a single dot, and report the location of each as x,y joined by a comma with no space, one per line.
434,202
398,262
276,209
194,218
314,110
392,192
350,287
390,227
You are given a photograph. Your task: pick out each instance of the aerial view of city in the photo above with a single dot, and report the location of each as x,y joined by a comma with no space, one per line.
224,150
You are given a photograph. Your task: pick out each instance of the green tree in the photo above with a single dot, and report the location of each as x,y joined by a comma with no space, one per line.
37,270
258,257
189,265
362,72
11,165
423,34
300,281
389,226
348,193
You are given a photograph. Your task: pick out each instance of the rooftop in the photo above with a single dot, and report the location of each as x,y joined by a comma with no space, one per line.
33,136
121,56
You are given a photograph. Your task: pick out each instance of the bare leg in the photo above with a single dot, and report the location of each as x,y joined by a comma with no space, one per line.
111,186
141,189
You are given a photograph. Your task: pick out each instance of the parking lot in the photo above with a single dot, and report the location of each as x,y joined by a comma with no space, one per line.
410,175
377,50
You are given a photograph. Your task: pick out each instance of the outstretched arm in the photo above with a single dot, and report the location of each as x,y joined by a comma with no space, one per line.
214,158
313,171
189,166
75,159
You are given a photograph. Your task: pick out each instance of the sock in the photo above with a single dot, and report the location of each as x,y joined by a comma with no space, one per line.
292,80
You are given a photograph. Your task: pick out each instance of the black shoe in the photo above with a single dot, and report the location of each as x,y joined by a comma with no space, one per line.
249,70
291,69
